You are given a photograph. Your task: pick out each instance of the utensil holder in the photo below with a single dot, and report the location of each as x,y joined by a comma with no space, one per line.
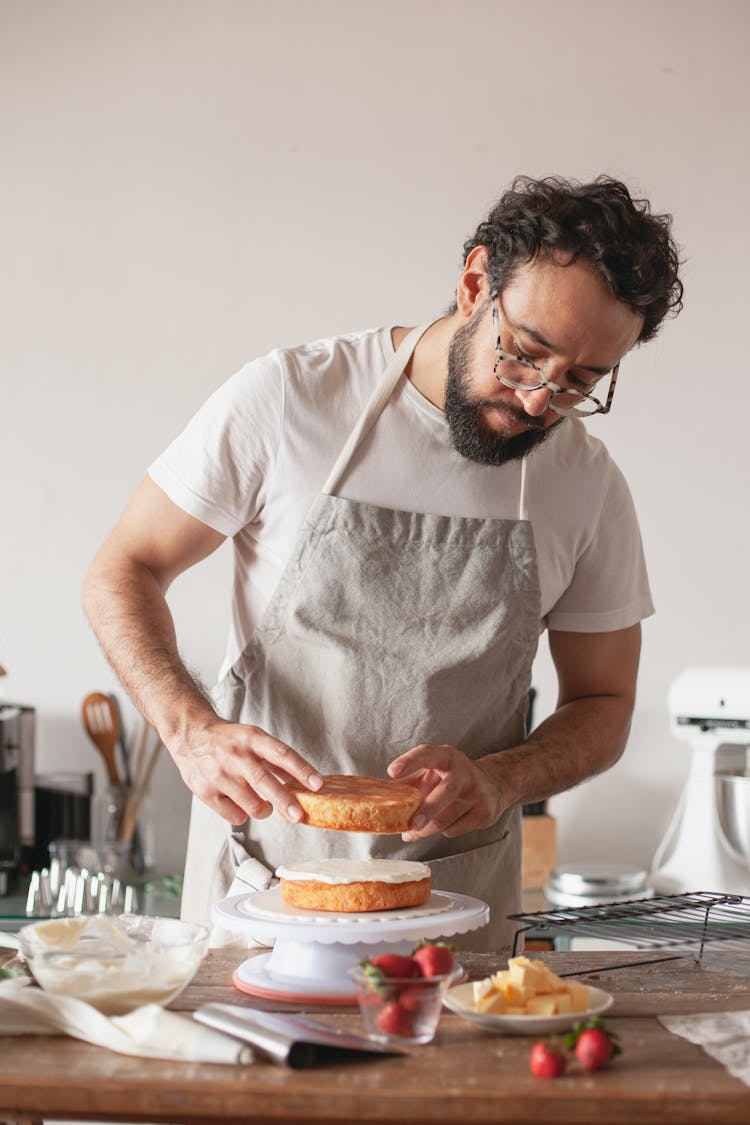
135,855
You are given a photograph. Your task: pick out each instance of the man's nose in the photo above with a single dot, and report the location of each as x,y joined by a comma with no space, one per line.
535,402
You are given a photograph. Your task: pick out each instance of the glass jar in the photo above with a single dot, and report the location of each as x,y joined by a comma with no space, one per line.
126,836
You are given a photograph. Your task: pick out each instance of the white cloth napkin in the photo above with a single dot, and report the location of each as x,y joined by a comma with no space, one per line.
725,1036
149,1031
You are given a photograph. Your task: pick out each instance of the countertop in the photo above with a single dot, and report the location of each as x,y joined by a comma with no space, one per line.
465,1075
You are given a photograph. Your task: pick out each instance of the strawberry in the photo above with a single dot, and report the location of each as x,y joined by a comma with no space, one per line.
547,1061
594,1046
411,997
434,960
393,965
594,1049
393,1020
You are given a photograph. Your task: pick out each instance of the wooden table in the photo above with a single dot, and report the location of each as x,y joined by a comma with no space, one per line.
464,1076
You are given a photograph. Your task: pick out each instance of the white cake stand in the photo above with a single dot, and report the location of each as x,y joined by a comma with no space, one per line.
313,949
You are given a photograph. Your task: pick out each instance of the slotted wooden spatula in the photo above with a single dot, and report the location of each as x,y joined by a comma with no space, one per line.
102,725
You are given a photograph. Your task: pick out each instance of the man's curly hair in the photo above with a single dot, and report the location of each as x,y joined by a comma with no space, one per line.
597,222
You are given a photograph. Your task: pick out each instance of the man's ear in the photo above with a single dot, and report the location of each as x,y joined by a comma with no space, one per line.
474,283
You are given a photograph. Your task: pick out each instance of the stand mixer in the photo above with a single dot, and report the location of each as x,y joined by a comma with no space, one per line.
707,844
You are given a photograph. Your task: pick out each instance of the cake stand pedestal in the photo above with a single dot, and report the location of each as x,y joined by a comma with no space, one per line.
313,949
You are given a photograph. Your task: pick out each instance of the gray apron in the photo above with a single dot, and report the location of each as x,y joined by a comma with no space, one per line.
387,629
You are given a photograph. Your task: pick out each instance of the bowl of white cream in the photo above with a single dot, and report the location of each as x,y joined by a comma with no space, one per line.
116,963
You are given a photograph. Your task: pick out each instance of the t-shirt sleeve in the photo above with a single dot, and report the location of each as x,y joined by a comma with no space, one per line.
609,589
218,469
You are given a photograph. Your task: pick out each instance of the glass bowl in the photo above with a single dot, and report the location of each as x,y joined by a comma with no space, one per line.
733,806
115,963
401,1010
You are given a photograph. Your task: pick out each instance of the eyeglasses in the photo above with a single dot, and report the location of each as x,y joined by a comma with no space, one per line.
520,374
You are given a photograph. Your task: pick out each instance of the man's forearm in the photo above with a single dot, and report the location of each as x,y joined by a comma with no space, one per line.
130,616
582,738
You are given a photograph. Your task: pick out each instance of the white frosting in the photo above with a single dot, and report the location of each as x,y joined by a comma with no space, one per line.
336,871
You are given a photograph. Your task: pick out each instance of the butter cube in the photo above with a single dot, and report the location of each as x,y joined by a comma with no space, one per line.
481,988
564,1002
579,996
514,993
528,975
492,1004
542,1006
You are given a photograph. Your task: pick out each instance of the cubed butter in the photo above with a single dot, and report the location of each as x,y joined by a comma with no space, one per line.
564,1003
480,988
579,995
542,1006
529,987
527,974
493,1004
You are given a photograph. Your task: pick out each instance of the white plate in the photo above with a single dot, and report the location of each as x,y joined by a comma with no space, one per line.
460,1000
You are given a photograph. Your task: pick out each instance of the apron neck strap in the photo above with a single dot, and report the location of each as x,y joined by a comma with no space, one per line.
523,507
384,389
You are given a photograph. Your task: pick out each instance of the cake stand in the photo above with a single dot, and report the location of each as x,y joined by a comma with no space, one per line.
313,949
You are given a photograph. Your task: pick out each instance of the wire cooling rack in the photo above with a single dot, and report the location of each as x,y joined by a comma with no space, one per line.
689,923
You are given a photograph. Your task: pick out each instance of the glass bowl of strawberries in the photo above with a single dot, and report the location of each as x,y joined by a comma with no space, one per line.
400,997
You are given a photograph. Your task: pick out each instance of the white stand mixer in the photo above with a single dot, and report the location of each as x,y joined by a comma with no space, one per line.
710,709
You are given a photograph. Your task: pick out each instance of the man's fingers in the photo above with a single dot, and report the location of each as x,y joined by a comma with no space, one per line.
228,809
265,770
424,756
241,771
284,777
465,823
285,757
427,822
248,797
264,785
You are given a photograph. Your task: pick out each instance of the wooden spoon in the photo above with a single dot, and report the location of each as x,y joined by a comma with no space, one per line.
140,789
103,728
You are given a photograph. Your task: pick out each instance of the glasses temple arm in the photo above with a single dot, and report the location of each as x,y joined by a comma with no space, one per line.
611,393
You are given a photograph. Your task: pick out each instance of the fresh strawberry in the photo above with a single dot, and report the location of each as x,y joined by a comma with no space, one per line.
593,1045
547,1061
594,1049
434,960
411,996
394,965
393,1020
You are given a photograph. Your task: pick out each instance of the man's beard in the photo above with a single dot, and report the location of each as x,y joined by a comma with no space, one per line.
471,436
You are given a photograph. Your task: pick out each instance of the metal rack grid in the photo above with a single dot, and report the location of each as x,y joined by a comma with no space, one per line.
679,923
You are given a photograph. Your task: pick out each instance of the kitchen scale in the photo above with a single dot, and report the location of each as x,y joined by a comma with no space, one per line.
313,949
703,848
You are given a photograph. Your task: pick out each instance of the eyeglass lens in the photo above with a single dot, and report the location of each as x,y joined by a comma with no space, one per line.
523,377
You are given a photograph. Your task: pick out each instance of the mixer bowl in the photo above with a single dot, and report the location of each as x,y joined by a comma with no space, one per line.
733,807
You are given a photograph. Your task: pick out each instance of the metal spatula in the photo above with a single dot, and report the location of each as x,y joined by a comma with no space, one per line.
102,725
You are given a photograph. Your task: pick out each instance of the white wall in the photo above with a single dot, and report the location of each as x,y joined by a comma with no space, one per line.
186,185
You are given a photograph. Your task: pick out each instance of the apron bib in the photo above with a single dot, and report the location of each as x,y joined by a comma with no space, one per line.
387,629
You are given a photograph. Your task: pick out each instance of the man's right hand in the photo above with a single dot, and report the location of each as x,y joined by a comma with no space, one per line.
240,771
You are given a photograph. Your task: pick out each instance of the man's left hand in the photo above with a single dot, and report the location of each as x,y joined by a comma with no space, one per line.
458,796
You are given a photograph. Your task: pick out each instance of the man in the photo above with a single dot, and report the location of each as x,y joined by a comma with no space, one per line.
408,509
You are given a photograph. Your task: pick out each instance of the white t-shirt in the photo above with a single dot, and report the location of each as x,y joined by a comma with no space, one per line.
252,460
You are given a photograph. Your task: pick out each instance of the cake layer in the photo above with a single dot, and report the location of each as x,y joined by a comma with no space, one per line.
358,804
352,886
